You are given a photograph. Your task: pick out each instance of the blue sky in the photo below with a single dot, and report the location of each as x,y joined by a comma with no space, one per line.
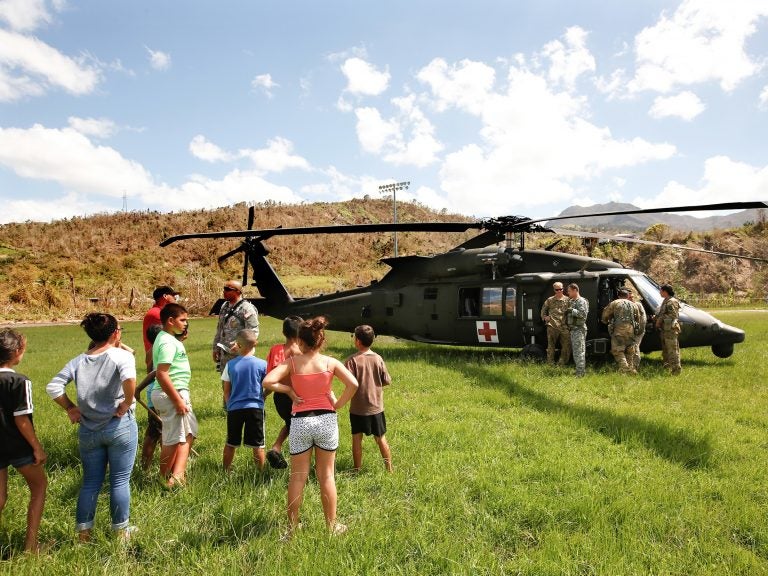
487,108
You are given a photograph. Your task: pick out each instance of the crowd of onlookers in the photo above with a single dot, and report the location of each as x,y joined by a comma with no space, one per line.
105,394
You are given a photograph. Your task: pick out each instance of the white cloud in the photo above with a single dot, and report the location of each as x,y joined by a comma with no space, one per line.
158,60
340,186
363,78
201,148
88,173
466,85
723,178
569,59
97,127
24,15
29,67
277,157
373,132
763,98
264,83
535,142
70,159
407,139
685,105
703,41
203,192
66,206
16,87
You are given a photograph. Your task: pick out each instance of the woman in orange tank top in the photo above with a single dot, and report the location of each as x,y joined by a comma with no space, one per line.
314,427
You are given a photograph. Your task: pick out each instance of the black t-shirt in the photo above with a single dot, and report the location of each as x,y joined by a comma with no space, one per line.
15,400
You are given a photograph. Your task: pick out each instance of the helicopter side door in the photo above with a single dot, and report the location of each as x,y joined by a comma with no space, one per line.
486,314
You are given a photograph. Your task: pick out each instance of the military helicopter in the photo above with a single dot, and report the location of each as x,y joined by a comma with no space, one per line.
480,293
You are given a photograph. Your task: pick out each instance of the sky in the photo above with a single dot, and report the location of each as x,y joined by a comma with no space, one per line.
486,108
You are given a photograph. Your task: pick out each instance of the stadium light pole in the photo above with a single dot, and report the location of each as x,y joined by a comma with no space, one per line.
393,188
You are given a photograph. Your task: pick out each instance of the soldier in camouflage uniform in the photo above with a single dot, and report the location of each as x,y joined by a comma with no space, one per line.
623,323
667,321
236,314
576,320
553,314
643,318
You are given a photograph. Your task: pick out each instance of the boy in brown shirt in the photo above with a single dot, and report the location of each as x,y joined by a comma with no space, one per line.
366,409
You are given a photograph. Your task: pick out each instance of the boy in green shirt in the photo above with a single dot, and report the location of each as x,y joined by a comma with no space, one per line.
171,398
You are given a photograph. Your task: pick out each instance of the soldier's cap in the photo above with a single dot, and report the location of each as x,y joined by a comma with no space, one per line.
162,291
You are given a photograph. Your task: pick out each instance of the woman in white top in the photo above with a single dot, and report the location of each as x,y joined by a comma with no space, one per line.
105,381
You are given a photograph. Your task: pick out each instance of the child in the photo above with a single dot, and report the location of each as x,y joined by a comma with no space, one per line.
241,381
366,409
153,431
19,445
278,354
171,398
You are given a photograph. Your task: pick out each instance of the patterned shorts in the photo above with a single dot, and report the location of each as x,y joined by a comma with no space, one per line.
321,431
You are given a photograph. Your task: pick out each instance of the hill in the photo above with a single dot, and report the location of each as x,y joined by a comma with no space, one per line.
59,270
641,222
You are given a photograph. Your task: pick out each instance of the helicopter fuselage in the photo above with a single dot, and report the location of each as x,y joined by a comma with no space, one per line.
491,297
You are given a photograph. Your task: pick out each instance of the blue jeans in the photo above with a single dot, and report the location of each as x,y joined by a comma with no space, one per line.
115,444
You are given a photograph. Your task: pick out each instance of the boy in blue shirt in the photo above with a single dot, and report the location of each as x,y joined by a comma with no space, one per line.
244,398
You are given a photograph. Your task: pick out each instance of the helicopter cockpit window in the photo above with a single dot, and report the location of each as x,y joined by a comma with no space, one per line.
649,290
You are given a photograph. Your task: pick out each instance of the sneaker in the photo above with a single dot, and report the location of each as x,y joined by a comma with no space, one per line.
276,459
338,529
127,533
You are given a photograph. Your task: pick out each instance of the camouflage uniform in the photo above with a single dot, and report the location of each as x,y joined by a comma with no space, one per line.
557,331
233,318
576,319
622,316
667,321
643,319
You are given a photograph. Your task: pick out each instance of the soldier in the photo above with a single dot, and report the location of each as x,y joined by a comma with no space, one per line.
576,320
553,314
643,319
622,318
667,322
236,314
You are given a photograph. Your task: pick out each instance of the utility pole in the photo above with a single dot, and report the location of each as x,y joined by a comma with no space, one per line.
393,188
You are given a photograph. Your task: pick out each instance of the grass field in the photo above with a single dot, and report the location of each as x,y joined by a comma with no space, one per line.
501,467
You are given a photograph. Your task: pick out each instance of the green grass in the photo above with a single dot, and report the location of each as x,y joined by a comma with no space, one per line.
501,467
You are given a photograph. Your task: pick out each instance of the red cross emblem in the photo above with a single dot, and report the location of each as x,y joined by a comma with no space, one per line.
487,332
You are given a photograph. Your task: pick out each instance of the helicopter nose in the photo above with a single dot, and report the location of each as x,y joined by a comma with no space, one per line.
725,334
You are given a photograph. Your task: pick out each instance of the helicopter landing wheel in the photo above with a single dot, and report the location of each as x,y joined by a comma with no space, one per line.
722,350
533,353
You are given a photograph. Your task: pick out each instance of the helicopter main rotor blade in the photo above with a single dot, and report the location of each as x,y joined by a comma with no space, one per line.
694,208
223,257
599,236
245,269
339,229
